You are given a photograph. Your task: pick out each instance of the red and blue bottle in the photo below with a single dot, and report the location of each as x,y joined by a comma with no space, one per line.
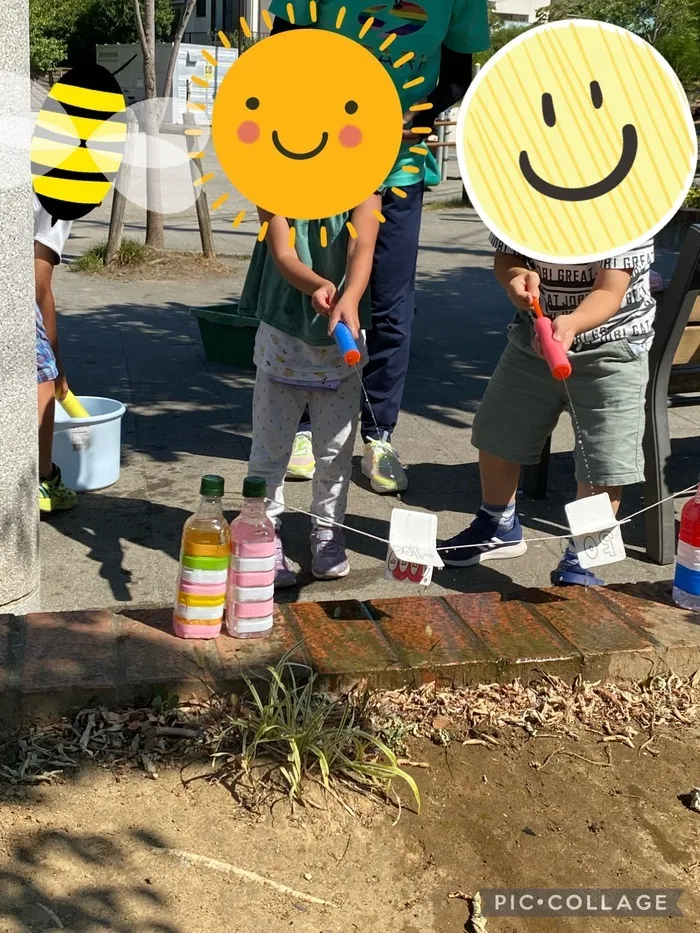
686,583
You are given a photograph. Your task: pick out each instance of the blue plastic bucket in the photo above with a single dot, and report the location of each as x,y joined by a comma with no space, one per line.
88,450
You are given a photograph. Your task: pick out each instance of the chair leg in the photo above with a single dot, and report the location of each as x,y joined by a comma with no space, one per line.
659,522
535,477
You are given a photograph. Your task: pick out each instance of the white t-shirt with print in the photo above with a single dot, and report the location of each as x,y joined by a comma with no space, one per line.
563,288
54,237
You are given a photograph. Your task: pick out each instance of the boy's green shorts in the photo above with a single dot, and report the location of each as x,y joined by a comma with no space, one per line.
523,402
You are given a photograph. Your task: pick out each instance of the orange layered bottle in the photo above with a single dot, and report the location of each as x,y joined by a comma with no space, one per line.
201,585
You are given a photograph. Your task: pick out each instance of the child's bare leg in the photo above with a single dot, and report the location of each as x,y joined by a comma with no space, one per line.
499,479
47,408
585,490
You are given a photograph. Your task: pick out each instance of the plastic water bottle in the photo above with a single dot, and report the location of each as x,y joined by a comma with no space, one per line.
251,582
686,583
201,584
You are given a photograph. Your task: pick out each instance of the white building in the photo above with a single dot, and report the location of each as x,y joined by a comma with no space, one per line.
209,16
126,61
518,12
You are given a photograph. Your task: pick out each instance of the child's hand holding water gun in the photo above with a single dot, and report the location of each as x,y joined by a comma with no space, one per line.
523,289
325,301
564,331
346,309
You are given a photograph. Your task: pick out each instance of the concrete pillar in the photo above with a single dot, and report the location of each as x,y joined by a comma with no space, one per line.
19,517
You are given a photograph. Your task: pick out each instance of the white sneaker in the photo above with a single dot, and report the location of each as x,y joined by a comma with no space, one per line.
381,465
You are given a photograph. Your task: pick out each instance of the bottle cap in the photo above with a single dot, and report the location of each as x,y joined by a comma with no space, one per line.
254,487
212,486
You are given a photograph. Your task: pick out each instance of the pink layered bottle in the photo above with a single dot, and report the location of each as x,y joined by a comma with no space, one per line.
251,578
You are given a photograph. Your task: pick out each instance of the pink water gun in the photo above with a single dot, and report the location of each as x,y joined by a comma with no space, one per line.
554,352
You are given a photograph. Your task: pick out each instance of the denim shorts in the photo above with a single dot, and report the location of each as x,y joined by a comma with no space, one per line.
46,369
523,403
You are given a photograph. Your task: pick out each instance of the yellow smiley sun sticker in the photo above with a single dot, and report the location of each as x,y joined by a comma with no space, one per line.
576,142
297,142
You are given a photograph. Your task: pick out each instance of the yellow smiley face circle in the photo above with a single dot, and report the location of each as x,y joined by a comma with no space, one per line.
576,142
307,124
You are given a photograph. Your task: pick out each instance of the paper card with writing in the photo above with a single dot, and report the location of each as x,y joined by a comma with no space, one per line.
412,553
595,531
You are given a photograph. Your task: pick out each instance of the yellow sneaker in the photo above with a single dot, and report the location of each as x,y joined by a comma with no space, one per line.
381,465
302,464
54,495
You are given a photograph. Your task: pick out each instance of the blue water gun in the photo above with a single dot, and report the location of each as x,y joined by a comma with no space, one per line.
346,344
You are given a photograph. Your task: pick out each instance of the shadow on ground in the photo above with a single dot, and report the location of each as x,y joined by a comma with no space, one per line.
28,904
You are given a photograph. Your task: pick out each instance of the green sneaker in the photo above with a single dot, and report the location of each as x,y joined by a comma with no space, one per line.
381,465
302,464
54,495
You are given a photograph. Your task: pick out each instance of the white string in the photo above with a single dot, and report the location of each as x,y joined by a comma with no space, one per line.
647,508
459,547
328,521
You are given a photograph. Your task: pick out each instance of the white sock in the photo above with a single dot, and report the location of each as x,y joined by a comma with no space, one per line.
504,515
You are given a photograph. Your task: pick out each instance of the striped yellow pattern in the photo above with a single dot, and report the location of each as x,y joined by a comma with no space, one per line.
502,116
53,154
91,100
77,147
75,192
82,127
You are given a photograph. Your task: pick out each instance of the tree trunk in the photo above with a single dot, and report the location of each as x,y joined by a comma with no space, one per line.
121,185
155,236
146,27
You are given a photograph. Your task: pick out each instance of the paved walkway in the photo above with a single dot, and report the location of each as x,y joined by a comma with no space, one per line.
134,341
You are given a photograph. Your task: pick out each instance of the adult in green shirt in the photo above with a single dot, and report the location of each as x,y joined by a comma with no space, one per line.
443,35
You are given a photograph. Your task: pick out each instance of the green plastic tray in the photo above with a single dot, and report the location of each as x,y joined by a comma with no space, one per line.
228,337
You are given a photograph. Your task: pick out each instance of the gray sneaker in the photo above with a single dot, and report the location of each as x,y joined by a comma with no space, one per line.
329,560
285,576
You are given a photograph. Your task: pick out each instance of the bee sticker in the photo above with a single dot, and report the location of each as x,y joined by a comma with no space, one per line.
78,143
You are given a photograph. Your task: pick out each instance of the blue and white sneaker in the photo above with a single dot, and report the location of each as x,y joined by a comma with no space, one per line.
487,543
570,573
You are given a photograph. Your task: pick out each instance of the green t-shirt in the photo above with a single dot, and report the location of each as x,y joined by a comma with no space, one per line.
269,297
422,28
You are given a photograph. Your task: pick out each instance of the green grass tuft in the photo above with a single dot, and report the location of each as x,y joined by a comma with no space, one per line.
446,204
131,253
693,198
294,736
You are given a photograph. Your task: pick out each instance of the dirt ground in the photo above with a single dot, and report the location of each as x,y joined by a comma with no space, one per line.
80,855
173,265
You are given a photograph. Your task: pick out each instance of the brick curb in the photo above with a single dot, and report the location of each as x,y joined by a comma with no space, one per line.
52,662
